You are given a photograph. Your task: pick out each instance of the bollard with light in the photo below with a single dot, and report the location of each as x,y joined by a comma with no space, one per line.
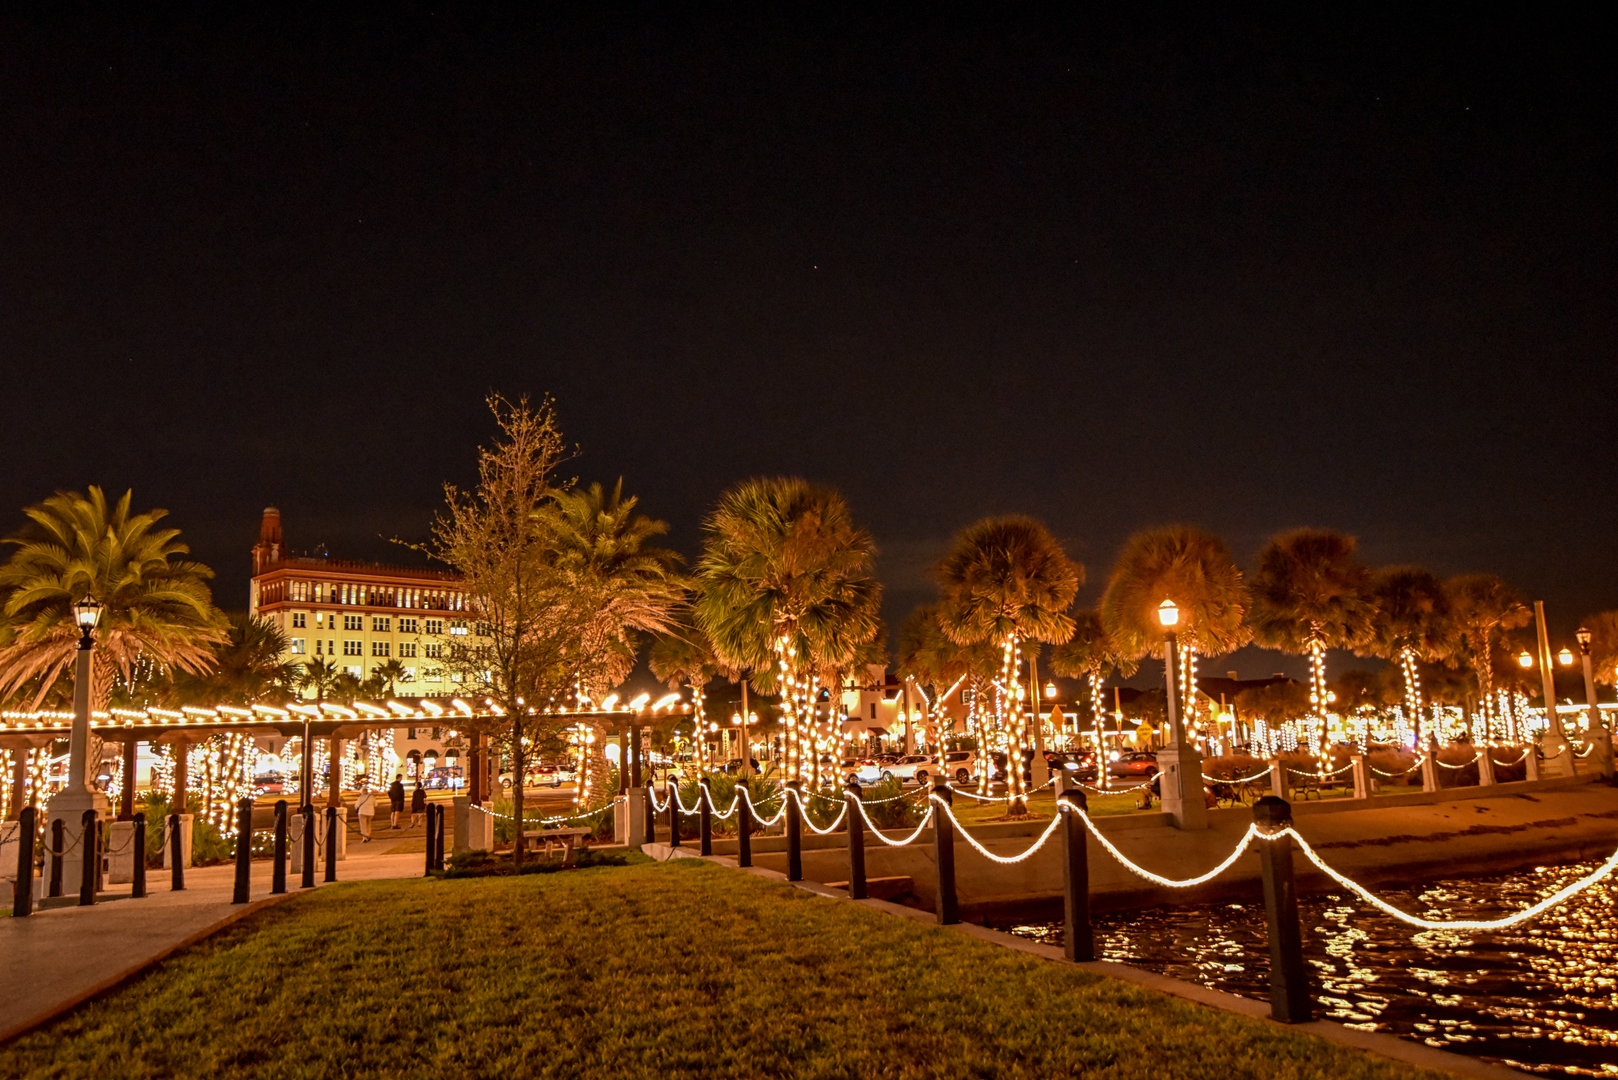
70,805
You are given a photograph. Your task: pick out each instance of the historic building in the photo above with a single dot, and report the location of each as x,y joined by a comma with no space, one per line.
357,615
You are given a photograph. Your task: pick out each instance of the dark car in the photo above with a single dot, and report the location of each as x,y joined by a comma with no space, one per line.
1080,764
733,766
1134,763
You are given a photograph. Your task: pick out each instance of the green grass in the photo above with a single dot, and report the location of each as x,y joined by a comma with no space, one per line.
676,970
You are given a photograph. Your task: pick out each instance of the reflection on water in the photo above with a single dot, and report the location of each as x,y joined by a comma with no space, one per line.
1542,996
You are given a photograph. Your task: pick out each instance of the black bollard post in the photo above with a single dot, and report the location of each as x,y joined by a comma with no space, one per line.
278,874
331,843
649,812
794,830
431,810
856,842
1076,932
137,888
176,863
1289,977
705,816
308,812
670,793
90,851
244,852
744,824
57,851
947,907
438,846
23,901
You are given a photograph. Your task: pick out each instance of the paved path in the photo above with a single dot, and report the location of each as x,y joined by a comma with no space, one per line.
61,956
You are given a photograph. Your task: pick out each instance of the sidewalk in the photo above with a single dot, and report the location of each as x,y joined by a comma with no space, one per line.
59,957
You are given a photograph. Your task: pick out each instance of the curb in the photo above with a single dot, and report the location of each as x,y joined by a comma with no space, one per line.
60,1008
1373,1042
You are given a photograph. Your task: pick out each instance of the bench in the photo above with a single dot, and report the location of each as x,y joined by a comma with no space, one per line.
568,839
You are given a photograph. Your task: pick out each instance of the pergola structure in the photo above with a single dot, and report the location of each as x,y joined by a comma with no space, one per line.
309,720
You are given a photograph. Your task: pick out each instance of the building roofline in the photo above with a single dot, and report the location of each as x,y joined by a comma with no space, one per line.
339,566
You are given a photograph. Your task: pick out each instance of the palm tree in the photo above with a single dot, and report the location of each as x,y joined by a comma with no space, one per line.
684,657
1194,569
388,673
1603,627
1092,654
248,667
1411,624
786,591
1005,581
155,606
320,676
927,655
1312,594
617,584
1482,607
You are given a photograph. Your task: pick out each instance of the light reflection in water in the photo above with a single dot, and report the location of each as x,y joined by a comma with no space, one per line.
1542,996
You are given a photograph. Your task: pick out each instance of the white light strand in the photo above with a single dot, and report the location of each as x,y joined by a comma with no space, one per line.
1141,871
1509,764
1236,780
838,820
1524,915
1463,764
1004,860
896,843
757,818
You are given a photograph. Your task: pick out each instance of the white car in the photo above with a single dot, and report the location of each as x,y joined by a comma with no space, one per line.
906,767
958,766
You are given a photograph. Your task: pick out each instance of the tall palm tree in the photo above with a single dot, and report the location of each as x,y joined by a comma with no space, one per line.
320,676
1092,654
1482,607
155,606
388,673
248,667
1006,581
1311,594
1411,624
1194,569
786,589
684,657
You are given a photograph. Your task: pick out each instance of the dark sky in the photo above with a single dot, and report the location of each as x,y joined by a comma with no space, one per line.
1115,274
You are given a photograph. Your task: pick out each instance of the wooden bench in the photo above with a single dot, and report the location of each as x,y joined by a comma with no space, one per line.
568,839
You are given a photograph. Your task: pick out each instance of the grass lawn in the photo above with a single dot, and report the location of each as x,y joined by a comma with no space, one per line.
675,970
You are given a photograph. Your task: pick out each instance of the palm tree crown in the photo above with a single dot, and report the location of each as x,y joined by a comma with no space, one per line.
1189,566
1007,578
1310,589
155,605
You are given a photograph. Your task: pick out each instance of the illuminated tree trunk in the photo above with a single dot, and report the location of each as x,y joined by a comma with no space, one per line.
1412,679
1013,723
1317,687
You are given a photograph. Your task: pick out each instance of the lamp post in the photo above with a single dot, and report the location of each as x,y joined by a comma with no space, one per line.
69,804
1597,734
1179,764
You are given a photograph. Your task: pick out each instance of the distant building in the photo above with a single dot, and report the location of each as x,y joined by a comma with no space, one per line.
359,615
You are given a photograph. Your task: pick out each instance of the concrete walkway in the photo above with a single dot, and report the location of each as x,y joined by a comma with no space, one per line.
62,956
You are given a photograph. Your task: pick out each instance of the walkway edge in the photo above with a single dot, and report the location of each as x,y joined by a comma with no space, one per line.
67,1005
1373,1042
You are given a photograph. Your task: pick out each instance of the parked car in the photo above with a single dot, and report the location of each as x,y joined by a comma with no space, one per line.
446,777
545,774
956,765
865,770
904,768
1083,763
268,784
1134,763
734,766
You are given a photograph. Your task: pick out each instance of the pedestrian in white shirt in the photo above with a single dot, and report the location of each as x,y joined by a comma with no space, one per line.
364,809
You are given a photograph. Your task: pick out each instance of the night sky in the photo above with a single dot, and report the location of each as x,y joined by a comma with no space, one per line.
1114,274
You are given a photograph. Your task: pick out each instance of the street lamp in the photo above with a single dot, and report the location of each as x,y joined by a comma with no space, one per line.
1597,733
86,613
1525,659
1050,690
70,804
1169,616
1565,657
1179,765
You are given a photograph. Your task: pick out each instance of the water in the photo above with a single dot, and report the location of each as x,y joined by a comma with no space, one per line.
1541,996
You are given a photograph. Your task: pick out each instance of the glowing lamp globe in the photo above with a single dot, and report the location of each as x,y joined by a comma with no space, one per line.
1565,657
1524,659
1168,615
87,613
1050,689
1583,636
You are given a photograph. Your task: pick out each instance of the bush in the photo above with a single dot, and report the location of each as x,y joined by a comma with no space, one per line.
481,864
888,809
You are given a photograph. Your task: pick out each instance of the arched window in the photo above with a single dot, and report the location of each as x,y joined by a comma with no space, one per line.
413,764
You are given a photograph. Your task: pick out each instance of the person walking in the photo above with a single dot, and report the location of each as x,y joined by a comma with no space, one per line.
396,800
418,804
365,809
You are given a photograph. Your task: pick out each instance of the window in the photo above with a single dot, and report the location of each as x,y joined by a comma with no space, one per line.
407,626
353,622
433,674
353,648
295,646
298,618
379,648
435,626
407,649
381,624
432,650
438,733
455,676
318,644
457,627
358,673
409,675
484,629
873,714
